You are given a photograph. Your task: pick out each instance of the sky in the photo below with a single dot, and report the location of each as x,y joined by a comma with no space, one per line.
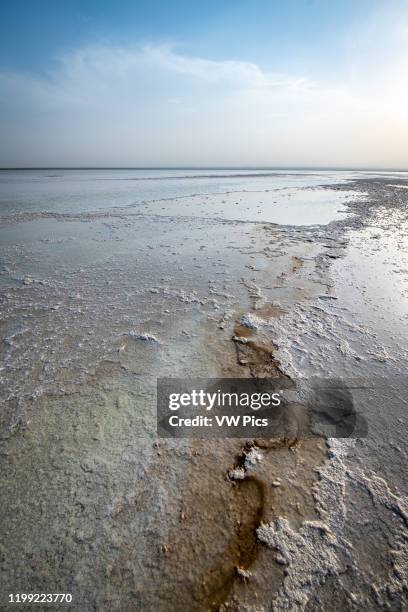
214,83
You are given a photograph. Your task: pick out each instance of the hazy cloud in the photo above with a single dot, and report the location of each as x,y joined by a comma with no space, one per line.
156,105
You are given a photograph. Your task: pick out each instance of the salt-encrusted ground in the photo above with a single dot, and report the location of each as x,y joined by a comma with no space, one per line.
95,306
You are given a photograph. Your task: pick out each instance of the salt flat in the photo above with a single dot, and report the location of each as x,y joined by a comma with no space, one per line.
111,279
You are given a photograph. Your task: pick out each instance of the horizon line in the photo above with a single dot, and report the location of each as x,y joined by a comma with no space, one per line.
284,167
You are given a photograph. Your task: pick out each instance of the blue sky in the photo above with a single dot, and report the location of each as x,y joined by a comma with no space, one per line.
266,32
300,82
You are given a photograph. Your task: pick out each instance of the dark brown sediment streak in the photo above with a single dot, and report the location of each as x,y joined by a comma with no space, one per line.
255,500
242,550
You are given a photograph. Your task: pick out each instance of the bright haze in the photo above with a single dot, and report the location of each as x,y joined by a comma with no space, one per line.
229,83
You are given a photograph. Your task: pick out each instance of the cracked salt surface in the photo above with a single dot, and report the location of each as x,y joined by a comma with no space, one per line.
361,336
79,365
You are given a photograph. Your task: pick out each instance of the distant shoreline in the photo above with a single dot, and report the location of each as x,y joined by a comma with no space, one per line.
271,168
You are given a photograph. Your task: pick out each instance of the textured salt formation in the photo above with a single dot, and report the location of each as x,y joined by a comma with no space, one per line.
78,312
237,473
314,552
252,457
355,502
321,549
144,337
151,521
251,321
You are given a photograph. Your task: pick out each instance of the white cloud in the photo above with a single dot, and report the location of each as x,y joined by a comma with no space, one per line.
84,74
235,73
102,102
